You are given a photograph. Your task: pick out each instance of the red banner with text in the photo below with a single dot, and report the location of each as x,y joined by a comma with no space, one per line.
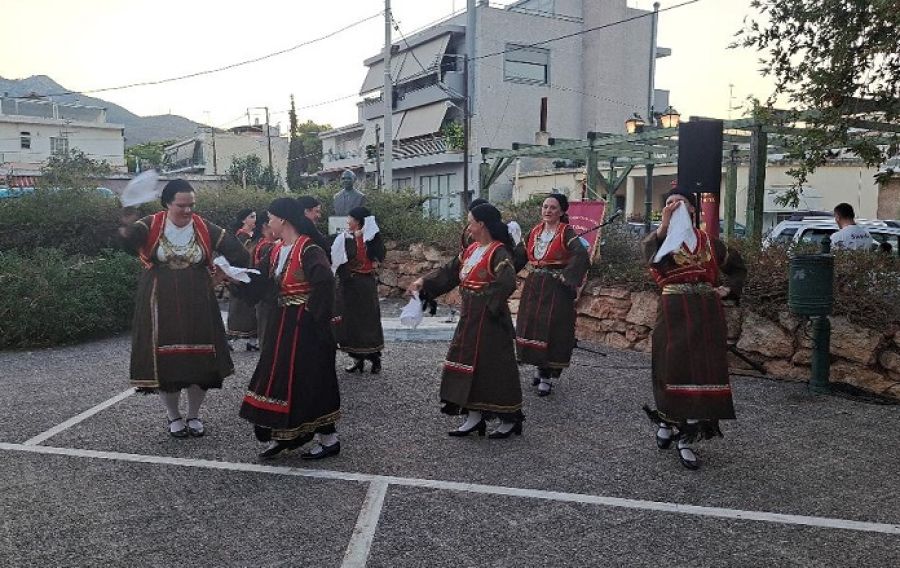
585,216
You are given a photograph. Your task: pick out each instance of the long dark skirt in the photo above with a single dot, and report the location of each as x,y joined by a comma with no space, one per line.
241,318
178,338
266,310
492,384
294,390
690,363
545,325
358,326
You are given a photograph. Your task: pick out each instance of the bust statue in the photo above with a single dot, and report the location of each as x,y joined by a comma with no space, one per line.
348,197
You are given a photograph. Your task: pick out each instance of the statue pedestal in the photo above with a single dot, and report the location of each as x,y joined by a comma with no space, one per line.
336,223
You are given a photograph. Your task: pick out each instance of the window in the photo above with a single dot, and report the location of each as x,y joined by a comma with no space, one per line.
438,191
401,183
59,146
526,64
25,140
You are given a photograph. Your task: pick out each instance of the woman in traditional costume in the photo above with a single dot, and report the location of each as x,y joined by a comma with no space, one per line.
241,315
358,313
293,395
267,297
480,377
690,365
178,339
545,326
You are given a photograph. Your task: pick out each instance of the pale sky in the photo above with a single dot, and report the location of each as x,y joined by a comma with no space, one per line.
101,43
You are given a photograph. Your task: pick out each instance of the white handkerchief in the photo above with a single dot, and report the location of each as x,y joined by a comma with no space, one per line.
235,272
681,231
141,189
412,315
515,231
370,228
339,251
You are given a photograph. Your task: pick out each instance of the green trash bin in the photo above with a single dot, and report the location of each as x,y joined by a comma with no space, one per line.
811,284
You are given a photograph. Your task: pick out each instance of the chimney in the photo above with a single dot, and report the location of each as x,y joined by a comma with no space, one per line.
542,137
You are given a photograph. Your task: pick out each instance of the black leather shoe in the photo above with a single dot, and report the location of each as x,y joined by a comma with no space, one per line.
332,450
517,430
376,365
251,347
196,432
535,381
662,442
545,392
275,449
359,365
183,433
481,428
693,463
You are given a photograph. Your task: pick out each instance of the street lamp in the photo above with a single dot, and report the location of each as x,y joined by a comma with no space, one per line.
669,118
634,124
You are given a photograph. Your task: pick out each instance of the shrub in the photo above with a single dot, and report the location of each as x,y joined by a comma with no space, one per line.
50,298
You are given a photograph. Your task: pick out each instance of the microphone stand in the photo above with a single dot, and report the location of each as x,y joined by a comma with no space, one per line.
601,225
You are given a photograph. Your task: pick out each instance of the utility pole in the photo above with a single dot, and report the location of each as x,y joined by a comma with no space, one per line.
651,86
469,72
378,155
388,90
269,141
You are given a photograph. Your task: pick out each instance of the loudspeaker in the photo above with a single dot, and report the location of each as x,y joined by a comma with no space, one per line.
700,155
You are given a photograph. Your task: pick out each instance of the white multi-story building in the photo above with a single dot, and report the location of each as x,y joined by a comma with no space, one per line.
211,153
34,129
589,81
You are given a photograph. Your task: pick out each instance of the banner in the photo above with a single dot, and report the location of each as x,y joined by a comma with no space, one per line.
584,216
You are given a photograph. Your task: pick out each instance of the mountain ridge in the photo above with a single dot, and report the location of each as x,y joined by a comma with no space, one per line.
138,129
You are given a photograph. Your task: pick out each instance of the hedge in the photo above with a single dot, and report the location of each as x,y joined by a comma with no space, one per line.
51,298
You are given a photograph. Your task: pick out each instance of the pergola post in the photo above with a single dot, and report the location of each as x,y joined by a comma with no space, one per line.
756,188
731,193
591,168
648,197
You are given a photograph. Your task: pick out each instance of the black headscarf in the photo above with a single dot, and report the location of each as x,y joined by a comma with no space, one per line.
563,205
239,218
308,202
261,220
175,186
490,216
289,210
476,202
684,192
360,214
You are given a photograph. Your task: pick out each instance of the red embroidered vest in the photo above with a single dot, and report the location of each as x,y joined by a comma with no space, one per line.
481,274
361,264
686,267
557,255
158,225
294,288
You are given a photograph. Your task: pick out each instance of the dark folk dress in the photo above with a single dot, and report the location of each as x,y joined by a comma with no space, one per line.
294,389
690,363
545,326
358,313
241,315
480,372
177,337
266,299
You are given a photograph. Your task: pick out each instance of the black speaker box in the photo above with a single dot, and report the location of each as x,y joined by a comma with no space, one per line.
700,155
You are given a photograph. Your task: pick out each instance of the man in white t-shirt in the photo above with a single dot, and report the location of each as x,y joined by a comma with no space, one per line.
850,236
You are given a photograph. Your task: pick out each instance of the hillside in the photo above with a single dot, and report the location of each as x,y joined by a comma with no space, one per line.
138,129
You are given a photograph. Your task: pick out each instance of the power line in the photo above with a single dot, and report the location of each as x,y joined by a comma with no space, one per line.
219,69
582,32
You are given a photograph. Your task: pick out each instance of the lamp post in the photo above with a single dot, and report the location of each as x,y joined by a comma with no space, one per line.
635,124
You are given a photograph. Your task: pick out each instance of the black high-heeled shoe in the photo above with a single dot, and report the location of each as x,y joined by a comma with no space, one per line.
376,365
359,365
481,428
547,392
691,464
662,442
516,429
275,449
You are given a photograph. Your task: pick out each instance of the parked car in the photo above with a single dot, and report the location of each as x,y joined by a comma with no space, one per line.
638,229
814,230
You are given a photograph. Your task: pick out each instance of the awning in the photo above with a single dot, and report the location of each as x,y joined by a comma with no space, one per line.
423,120
22,181
427,55
374,78
368,137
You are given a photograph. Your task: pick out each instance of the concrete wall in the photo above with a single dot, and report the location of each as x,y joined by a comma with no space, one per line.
230,146
97,141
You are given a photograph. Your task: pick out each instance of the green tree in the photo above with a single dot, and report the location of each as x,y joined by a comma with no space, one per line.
148,155
305,150
249,172
835,61
73,170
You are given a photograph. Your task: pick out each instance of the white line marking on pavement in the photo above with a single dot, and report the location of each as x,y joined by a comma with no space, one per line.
364,532
76,419
659,506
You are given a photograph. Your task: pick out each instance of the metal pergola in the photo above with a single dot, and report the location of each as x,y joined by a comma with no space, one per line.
744,140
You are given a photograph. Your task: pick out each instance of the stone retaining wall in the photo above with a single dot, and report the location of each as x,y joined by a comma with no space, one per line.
866,358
